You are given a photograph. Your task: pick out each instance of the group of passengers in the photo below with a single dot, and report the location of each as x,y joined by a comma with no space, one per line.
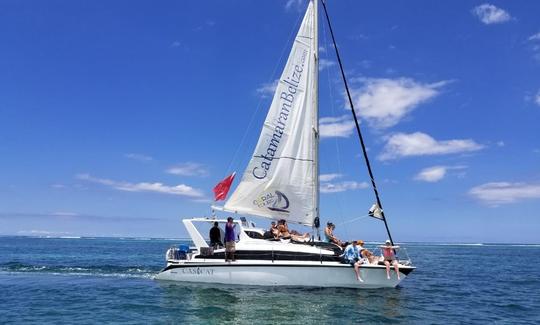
356,255
281,231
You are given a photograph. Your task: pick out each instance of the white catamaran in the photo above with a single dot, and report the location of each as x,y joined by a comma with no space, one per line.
281,182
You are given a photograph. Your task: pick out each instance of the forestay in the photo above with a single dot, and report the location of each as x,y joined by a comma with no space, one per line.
280,180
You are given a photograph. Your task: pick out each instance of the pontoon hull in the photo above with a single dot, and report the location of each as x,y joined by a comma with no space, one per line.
282,274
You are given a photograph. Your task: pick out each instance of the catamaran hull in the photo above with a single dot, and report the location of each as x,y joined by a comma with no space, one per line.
317,275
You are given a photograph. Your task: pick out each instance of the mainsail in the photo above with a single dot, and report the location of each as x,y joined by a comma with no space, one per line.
282,177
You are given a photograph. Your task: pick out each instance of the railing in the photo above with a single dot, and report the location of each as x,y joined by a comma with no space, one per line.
401,255
178,253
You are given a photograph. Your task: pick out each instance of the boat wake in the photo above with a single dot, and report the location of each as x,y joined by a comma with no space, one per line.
99,270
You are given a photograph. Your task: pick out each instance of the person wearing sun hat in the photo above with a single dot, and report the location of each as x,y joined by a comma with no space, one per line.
388,251
360,246
360,261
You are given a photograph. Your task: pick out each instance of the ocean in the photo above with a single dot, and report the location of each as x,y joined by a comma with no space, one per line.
110,280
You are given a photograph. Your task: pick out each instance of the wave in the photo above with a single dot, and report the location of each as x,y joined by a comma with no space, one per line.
100,270
457,244
472,244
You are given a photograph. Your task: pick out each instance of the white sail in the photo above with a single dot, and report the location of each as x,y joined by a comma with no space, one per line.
281,178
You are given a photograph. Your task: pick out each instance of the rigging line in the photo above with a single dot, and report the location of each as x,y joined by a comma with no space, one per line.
338,153
353,219
262,98
364,151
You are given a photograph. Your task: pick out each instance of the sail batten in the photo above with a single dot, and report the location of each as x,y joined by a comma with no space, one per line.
280,179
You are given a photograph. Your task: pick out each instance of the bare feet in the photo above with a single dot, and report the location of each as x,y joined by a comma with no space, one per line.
359,279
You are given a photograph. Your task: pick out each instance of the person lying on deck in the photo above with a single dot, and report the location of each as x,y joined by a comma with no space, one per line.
284,232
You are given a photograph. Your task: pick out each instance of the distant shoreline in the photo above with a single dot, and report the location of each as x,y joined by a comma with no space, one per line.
441,243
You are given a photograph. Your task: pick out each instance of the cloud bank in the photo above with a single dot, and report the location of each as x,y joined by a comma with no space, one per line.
181,189
497,193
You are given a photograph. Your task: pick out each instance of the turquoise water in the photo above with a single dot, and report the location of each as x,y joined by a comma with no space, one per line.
107,280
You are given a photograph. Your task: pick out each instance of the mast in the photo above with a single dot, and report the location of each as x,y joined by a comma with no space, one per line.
357,125
316,113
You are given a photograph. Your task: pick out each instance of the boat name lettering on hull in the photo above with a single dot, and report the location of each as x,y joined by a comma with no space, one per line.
197,271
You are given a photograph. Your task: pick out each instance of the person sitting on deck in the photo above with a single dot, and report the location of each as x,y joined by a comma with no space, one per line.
350,254
215,236
362,253
329,234
389,255
368,257
273,232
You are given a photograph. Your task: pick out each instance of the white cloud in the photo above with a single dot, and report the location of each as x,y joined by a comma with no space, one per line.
138,157
537,98
42,233
431,174
535,37
497,193
188,169
208,24
267,89
435,173
421,144
342,186
384,102
294,4
341,127
176,44
500,143
181,189
490,14
323,64
535,40
329,177
64,214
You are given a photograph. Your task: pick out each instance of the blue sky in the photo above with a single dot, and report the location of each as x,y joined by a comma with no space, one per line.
118,118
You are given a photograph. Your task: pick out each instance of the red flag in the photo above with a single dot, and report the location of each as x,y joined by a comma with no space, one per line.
222,188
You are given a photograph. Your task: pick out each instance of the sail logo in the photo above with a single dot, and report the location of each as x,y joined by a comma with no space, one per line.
289,88
275,201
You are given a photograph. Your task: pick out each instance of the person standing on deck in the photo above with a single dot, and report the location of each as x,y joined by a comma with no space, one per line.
229,240
215,236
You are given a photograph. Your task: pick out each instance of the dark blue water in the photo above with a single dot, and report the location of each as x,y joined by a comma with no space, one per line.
87,281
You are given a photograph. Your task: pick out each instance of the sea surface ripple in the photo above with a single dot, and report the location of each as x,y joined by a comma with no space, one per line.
110,280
